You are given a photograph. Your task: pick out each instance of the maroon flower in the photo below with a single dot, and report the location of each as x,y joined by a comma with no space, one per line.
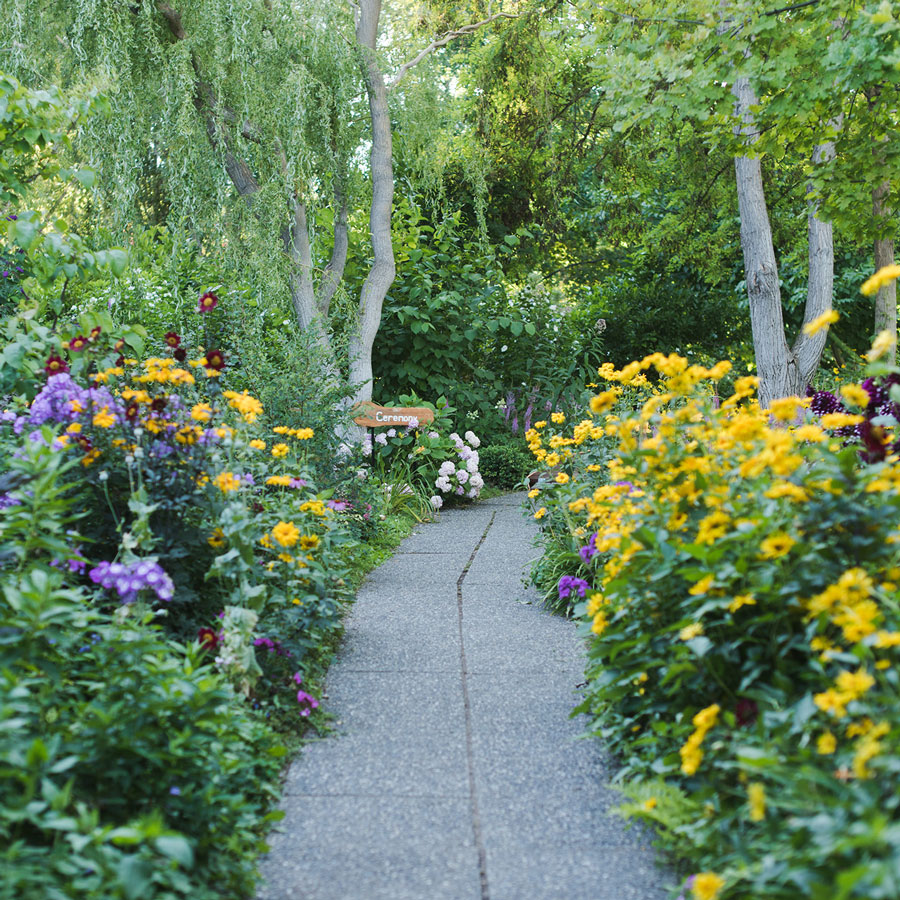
172,339
745,712
84,443
208,638
95,333
215,359
132,411
55,365
158,404
119,346
207,302
180,354
78,343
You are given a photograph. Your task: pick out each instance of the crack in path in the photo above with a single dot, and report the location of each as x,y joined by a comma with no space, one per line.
470,754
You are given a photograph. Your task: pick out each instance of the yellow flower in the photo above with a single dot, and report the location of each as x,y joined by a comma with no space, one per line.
785,409
650,803
883,343
707,886
603,402
552,459
829,317
562,478
855,395
833,702
216,539
756,796
202,412
885,275
533,493
558,418
741,600
839,420
316,507
787,489
303,434
226,482
689,632
309,541
826,744
279,480
104,418
286,533
541,513
702,586
280,450
257,444
74,428
854,684
595,601
76,406
776,545
600,624
286,557
249,407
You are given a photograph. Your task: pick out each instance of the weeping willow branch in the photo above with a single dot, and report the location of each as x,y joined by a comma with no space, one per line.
443,40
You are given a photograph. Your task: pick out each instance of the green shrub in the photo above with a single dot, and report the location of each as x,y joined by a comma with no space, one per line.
505,465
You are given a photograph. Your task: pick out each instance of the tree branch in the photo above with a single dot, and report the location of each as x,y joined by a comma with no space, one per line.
445,39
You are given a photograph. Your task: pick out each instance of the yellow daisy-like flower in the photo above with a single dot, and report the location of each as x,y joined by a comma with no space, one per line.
226,481
702,586
650,803
202,412
776,545
756,796
884,343
303,434
74,428
541,513
104,418
885,275
286,533
741,600
856,395
599,624
829,317
279,480
562,478
280,450
534,492
558,418
216,539
689,632
707,886
826,744
309,541
257,444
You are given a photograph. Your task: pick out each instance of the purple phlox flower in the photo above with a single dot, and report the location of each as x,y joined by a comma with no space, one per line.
175,791
129,579
248,478
298,678
307,701
568,584
7,415
589,549
7,500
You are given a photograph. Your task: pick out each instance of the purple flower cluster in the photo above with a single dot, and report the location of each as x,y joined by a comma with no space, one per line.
568,584
54,403
272,646
589,550
129,579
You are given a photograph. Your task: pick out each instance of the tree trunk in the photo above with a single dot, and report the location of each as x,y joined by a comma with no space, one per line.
775,366
381,275
886,300
783,371
807,349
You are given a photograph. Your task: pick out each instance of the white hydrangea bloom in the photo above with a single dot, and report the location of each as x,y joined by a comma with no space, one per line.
473,439
437,502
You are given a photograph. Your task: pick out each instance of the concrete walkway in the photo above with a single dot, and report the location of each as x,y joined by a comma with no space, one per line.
456,772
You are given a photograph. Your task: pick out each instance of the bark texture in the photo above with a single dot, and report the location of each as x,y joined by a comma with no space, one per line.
381,275
886,300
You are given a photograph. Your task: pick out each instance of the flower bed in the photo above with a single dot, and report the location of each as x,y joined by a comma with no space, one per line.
738,584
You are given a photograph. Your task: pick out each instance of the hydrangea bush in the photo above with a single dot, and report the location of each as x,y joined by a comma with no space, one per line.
737,579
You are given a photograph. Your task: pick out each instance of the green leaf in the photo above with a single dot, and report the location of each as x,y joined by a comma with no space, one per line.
135,875
177,848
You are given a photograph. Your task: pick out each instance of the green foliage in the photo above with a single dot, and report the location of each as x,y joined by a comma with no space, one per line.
89,701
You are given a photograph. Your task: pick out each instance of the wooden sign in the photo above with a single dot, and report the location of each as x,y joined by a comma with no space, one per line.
374,416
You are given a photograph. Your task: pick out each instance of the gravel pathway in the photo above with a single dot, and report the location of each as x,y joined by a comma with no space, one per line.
455,772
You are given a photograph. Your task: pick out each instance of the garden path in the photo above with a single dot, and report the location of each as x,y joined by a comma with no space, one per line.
455,772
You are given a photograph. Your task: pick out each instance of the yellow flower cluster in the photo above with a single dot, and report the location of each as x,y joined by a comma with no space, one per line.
691,754
163,371
226,482
249,407
302,434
